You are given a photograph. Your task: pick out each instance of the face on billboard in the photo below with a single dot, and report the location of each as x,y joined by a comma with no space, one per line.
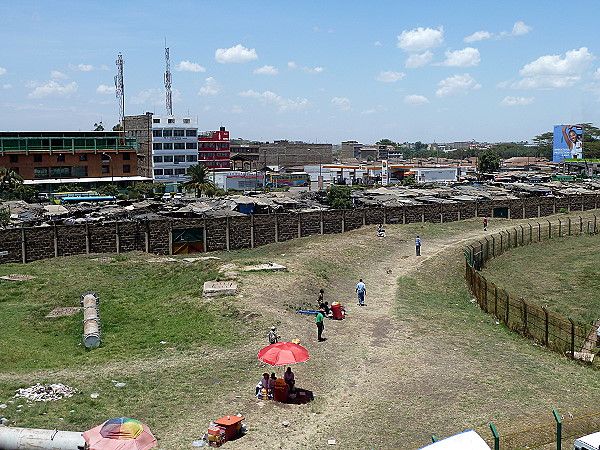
568,142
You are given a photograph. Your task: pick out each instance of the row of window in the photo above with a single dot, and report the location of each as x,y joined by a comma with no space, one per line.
217,163
213,145
60,157
170,120
177,132
175,158
210,155
167,172
68,171
174,146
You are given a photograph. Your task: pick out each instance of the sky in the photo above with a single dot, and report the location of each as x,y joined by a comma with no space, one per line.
321,71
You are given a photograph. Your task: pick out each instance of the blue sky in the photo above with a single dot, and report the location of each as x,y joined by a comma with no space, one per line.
318,71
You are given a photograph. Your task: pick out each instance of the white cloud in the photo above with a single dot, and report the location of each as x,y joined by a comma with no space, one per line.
211,87
7,86
466,57
237,109
104,89
478,36
343,103
369,111
236,54
543,82
419,60
377,44
149,96
456,85
520,29
188,66
390,76
56,75
292,65
82,67
415,100
574,62
268,97
266,70
420,39
516,101
315,70
2,71
53,89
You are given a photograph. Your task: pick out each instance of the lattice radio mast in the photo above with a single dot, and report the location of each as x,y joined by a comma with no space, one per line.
120,90
168,82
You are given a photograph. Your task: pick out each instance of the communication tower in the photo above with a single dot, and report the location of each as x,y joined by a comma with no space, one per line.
168,82
120,90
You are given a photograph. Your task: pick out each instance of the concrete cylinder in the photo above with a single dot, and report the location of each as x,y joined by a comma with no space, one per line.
13,438
91,320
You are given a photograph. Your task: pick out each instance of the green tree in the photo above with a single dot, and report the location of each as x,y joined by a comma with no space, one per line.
543,144
385,142
339,197
108,189
9,180
489,161
98,126
118,127
199,180
144,188
4,216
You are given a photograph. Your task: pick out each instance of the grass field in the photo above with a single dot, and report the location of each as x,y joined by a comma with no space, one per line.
420,359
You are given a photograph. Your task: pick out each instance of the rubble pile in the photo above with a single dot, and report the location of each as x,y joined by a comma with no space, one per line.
46,392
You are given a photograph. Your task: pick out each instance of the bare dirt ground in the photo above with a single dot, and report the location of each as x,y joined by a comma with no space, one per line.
372,364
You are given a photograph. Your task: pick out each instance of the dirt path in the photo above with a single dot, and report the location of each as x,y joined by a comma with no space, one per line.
363,356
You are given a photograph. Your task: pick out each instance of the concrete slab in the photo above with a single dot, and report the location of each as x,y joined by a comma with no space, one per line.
17,277
273,267
584,356
65,311
214,288
159,260
199,258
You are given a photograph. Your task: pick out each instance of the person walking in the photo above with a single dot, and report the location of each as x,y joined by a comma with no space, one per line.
485,224
361,290
320,325
418,245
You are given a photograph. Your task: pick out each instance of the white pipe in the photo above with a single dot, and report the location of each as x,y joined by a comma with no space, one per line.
13,438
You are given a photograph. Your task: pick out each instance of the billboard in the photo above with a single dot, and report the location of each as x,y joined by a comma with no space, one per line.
384,173
568,142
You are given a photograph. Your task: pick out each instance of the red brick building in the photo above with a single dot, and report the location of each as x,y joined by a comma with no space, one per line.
213,149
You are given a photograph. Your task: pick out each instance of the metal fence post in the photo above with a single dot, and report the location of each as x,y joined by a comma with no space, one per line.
549,229
572,338
495,300
539,231
558,429
433,438
580,224
546,333
522,235
493,246
507,306
508,239
501,243
524,303
559,228
569,220
496,437
530,234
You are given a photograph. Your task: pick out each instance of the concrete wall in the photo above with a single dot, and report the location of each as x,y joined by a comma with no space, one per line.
230,233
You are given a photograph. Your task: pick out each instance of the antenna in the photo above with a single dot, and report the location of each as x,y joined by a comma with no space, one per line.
168,81
120,90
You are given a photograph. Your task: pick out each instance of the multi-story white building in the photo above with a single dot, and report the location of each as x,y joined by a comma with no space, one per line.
174,148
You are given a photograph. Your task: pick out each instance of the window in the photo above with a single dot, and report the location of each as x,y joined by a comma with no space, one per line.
156,146
178,132
105,169
171,120
157,159
168,171
80,171
126,156
83,157
186,120
40,172
179,171
60,172
167,146
155,120
157,133
37,158
190,145
60,157
179,145
191,158
167,133
158,171
190,132
126,168
14,158
168,158
179,159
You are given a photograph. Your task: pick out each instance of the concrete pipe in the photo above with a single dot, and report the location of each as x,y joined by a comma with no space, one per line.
12,438
91,320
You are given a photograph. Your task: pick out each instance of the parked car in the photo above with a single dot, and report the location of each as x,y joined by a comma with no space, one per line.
177,195
167,196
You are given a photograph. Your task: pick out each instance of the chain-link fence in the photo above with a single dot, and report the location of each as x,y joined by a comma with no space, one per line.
555,331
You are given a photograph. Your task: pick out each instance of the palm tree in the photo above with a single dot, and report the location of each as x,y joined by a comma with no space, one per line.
198,179
9,179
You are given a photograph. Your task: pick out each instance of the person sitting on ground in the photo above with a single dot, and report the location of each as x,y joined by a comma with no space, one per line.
272,383
380,231
321,295
273,338
263,384
288,377
325,307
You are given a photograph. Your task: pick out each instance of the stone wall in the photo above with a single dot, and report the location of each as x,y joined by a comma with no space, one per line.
230,233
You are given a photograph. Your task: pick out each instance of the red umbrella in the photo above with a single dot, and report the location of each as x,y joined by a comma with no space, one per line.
283,353
120,434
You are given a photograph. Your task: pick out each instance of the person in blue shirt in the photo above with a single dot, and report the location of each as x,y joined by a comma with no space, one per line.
418,245
361,290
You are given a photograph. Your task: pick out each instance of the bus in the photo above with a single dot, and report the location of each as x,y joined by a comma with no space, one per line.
79,196
274,179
